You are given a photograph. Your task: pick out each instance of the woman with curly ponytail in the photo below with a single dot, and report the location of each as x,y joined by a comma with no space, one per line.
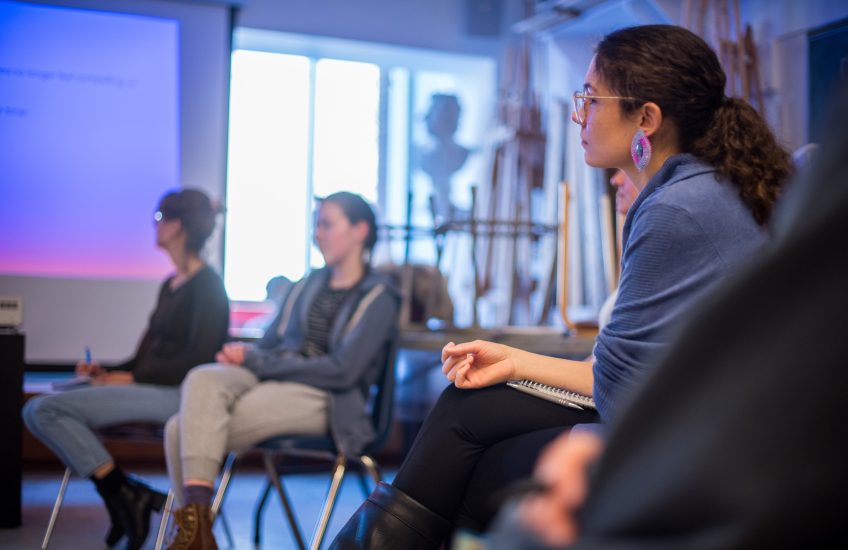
708,172
676,71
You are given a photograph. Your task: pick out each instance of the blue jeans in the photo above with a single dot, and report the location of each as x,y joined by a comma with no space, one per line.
66,421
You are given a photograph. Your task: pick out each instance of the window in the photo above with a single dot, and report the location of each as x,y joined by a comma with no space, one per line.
267,175
293,136
311,116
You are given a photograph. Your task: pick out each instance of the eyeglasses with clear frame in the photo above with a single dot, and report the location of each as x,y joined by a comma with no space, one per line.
580,103
158,217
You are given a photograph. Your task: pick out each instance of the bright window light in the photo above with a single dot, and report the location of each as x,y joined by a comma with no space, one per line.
346,147
267,189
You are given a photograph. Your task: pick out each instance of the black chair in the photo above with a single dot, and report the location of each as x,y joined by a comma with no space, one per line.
322,448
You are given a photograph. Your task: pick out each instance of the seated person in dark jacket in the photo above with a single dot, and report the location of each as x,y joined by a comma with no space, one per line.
188,325
310,374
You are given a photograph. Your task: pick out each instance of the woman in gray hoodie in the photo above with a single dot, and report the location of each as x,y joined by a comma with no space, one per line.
310,374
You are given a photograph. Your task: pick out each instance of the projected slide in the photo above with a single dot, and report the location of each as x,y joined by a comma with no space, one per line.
89,140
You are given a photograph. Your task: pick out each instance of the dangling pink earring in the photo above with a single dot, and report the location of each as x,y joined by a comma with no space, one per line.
640,150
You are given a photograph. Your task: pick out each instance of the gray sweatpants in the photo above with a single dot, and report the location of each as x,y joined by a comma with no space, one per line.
225,408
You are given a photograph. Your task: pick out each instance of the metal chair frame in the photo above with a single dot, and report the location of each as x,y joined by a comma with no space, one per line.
321,448
130,433
340,464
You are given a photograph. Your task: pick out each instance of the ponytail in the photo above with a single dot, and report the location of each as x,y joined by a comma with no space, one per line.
740,145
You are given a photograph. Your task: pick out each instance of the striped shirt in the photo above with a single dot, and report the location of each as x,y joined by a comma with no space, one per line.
319,321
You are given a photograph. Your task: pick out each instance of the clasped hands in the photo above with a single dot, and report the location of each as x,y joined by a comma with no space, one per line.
231,354
479,363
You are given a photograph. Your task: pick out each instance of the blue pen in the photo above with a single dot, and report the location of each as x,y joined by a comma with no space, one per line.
87,355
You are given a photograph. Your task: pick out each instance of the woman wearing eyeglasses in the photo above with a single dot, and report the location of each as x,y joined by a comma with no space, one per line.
187,327
708,170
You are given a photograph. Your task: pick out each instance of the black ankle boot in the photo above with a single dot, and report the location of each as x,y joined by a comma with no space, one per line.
116,530
105,486
133,503
390,519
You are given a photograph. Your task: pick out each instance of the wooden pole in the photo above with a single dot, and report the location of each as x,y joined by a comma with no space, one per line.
754,69
740,51
439,243
608,232
476,287
563,259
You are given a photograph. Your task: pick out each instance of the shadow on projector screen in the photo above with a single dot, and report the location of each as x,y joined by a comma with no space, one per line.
89,140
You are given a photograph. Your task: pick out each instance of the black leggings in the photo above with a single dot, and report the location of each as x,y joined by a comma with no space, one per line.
475,442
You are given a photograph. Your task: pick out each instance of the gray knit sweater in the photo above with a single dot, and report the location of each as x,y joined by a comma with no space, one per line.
685,232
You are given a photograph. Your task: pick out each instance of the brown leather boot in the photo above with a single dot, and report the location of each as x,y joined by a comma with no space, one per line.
194,529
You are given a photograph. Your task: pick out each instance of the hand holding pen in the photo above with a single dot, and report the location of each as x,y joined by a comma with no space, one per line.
87,367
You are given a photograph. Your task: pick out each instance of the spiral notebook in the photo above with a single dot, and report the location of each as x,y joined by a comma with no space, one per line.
72,383
556,395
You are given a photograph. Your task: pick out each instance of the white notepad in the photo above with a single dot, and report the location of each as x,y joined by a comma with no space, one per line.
556,395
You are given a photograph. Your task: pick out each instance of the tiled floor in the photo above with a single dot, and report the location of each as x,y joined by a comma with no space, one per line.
83,520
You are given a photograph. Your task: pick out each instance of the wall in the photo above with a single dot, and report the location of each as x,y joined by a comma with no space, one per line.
780,29
433,24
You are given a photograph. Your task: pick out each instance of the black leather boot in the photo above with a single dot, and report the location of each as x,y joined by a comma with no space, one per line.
390,519
116,530
133,504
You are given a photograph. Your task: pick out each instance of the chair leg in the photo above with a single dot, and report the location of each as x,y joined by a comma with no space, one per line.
220,493
217,502
284,499
224,484
257,516
163,522
363,484
227,531
56,506
373,470
329,502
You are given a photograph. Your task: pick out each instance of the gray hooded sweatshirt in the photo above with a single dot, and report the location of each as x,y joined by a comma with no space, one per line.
361,335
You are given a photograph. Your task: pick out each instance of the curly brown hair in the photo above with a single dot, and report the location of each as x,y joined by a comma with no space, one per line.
678,71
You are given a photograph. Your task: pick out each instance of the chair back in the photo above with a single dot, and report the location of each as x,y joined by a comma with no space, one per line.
383,401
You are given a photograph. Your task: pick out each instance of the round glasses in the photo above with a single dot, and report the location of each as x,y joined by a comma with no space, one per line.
158,216
581,99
